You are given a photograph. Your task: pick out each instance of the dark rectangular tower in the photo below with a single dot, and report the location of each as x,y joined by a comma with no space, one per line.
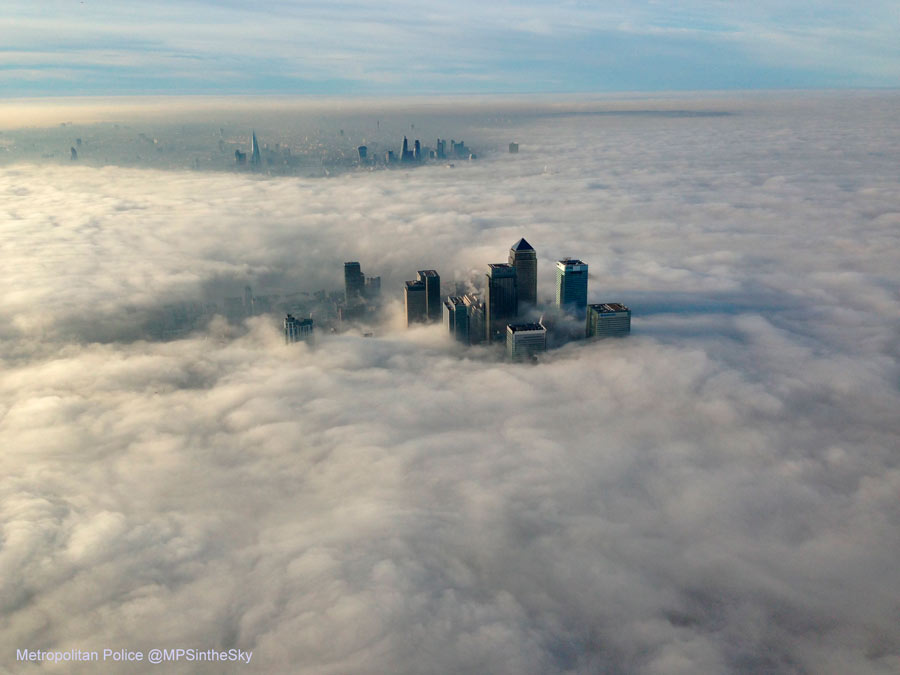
432,281
523,257
501,300
354,282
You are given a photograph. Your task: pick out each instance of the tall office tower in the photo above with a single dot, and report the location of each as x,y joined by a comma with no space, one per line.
372,288
354,282
254,150
501,300
414,299
524,258
524,340
456,318
362,151
74,153
432,281
406,154
440,149
513,148
475,316
296,330
571,286
248,301
609,319
417,151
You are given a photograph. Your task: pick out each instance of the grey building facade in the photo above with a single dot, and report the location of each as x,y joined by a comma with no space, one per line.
609,319
525,340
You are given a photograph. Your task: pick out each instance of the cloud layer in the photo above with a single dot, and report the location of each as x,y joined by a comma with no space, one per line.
717,493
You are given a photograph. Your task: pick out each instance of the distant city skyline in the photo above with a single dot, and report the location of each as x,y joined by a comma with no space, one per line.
323,49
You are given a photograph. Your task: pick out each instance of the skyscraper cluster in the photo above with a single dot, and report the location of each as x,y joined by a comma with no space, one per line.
419,153
509,306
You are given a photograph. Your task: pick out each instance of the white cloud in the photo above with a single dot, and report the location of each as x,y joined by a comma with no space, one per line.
716,493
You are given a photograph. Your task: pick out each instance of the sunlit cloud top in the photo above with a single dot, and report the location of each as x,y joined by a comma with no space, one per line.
399,47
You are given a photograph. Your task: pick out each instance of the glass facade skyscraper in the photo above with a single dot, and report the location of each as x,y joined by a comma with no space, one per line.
571,286
501,299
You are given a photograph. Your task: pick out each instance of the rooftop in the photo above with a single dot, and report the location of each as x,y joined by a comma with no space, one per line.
605,307
415,285
516,327
501,269
570,261
428,273
522,245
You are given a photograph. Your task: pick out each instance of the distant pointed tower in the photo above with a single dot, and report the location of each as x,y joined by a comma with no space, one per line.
404,153
254,150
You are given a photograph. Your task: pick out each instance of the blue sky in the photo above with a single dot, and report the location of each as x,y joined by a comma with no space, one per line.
61,48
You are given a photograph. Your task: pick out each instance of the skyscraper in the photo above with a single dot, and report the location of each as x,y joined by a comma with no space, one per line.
354,282
456,318
571,286
254,150
432,281
372,289
501,299
406,154
609,319
524,258
417,151
524,340
475,316
362,151
415,302
296,330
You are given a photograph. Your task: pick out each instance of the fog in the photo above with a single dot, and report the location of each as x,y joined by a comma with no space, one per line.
715,493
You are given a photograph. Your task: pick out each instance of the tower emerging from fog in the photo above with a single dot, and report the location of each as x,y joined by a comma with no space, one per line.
254,150
432,281
571,286
296,330
354,283
525,340
608,319
414,302
524,258
501,300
